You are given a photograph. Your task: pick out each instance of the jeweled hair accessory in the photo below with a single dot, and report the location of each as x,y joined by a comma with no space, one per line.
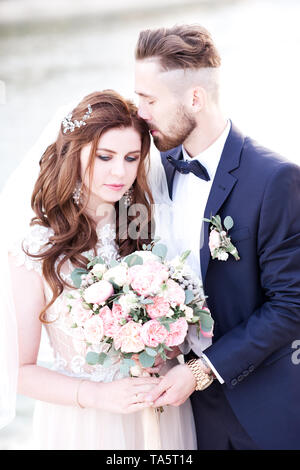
70,125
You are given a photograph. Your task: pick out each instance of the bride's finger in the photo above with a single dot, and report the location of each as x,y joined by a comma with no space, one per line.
138,407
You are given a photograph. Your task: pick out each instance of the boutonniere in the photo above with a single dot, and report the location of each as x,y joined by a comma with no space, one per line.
219,241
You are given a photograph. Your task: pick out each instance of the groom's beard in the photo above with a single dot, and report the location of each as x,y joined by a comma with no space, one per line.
183,126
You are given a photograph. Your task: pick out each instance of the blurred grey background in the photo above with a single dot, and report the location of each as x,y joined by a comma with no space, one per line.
55,52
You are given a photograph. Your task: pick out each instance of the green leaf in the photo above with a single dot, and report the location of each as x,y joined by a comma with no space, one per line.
92,358
96,260
184,255
76,276
129,362
124,369
146,360
160,250
189,296
114,263
151,352
206,321
146,301
133,260
228,222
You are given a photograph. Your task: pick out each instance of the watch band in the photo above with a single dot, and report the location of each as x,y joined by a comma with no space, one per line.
203,380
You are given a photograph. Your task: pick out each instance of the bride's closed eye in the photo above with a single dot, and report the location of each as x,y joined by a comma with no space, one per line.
128,158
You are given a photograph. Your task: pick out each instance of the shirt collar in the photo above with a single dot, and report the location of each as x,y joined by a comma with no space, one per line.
210,157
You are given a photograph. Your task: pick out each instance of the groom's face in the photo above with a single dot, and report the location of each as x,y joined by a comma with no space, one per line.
165,112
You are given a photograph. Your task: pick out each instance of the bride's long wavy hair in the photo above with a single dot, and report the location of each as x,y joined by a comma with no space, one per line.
52,198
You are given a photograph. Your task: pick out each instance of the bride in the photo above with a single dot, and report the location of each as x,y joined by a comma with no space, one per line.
95,168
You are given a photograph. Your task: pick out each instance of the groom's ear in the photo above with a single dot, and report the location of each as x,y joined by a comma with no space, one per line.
198,99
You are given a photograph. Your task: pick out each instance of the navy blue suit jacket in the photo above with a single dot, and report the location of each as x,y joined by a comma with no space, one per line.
255,301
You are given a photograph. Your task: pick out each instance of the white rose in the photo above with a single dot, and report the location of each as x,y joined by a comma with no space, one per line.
222,256
99,269
189,313
118,275
146,255
128,301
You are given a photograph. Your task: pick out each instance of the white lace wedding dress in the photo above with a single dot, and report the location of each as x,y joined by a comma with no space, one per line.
70,427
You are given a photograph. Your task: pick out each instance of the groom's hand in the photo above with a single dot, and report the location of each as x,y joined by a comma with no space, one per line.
175,388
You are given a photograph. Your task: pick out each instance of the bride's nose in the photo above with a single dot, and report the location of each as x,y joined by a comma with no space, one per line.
118,168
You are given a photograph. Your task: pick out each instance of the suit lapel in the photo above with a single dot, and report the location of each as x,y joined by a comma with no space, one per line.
222,186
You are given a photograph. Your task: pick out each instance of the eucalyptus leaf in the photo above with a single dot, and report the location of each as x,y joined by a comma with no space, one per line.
228,222
160,250
92,358
146,360
189,296
151,352
133,260
76,276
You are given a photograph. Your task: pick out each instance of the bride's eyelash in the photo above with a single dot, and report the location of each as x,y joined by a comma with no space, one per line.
106,158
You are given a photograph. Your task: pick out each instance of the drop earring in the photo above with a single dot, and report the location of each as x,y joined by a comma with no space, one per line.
128,197
77,193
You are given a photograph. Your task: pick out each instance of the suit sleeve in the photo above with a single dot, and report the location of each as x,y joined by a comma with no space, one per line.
277,322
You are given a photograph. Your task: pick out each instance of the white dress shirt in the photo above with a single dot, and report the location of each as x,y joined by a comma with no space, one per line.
190,195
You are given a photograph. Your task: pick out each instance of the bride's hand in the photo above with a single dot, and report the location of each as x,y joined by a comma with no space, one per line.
124,395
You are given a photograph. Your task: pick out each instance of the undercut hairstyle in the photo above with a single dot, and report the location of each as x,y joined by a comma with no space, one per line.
179,47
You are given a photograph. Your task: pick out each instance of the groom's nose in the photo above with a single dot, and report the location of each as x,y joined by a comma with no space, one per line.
143,112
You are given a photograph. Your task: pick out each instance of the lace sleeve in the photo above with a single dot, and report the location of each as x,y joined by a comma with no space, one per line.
34,242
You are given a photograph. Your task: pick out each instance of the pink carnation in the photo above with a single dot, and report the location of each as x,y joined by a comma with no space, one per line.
159,308
147,278
175,293
128,338
177,333
153,333
99,292
93,329
214,240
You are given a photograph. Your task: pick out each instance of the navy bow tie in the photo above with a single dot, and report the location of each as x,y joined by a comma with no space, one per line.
193,166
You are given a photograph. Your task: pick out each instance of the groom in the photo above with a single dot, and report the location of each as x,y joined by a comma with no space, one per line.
245,388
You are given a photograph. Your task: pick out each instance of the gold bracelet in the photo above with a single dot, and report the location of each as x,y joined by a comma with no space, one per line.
77,392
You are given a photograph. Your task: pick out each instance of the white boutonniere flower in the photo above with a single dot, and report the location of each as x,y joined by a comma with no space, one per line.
219,241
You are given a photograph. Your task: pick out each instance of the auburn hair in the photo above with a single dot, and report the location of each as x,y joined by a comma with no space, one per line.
181,46
52,199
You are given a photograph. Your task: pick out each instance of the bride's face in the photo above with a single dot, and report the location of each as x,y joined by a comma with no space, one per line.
116,164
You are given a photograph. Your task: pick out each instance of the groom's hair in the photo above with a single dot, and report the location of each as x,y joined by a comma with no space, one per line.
179,47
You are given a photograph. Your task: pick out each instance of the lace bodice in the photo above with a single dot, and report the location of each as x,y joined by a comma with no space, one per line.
68,345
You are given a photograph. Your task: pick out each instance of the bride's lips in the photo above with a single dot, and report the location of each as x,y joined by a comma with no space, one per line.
115,187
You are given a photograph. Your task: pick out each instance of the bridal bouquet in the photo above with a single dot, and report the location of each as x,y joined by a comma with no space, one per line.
138,308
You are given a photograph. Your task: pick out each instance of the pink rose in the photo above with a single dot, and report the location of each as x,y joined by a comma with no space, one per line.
128,338
175,293
111,319
93,329
159,308
153,333
214,240
147,278
79,313
98,292
177,333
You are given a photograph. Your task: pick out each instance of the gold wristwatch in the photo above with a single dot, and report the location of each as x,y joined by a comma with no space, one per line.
203,380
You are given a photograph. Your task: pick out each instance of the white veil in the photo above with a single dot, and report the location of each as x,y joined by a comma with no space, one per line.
16,213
